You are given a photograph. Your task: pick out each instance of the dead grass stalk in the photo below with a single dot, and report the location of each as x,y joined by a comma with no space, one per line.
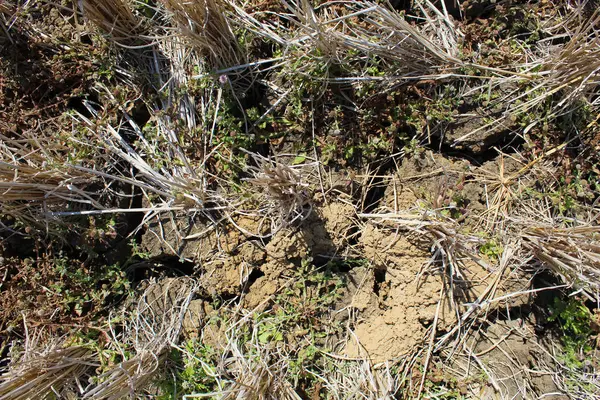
114,18
46,375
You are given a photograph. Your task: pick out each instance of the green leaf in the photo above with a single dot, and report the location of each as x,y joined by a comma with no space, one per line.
299,159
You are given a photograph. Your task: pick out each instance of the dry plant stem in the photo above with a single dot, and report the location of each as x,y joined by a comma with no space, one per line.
115,18
207,28
47,375
481,304
149,330
431,341
571,253
281,191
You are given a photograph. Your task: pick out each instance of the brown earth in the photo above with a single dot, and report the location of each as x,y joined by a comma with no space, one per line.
393,302
518,360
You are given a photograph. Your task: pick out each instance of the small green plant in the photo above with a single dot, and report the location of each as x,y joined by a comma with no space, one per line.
197,371
312,294
269,331
81,289
491,249
137,251
193,371
574,320
440,391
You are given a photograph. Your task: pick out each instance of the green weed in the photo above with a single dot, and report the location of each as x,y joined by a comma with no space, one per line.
574,320
196,373
491,249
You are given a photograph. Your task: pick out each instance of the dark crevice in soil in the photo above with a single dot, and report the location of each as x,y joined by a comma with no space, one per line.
226,298
262,149
317,261
159,267
219,299
254,275
401,5
353,236
453,7
537,307
511,313
81,104
380,276
15,244
140,113
374,195
510,144
253,94
376,187
480,10
343,266
135,219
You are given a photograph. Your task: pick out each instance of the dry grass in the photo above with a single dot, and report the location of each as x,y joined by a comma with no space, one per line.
178,182
6,13
558,80
149,330
35,182
115,18
206,26
55,372
282,191
260,373
278,193
572,72
505,189
571,253
357,379
332,32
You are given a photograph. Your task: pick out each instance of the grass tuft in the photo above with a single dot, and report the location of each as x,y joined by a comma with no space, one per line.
115,18
205,24
56,372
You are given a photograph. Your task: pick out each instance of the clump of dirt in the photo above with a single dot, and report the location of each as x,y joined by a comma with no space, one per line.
427,181
516,358
401,303
397,320
323,234
262,290
394,301
195,317
397,303
249,268
230,276
428,177
361,289
194,239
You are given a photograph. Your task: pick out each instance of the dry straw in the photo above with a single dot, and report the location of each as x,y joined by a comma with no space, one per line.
206,26
47,375
149,330
115,18
282,191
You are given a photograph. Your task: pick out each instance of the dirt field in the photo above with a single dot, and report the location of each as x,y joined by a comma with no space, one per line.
299,200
